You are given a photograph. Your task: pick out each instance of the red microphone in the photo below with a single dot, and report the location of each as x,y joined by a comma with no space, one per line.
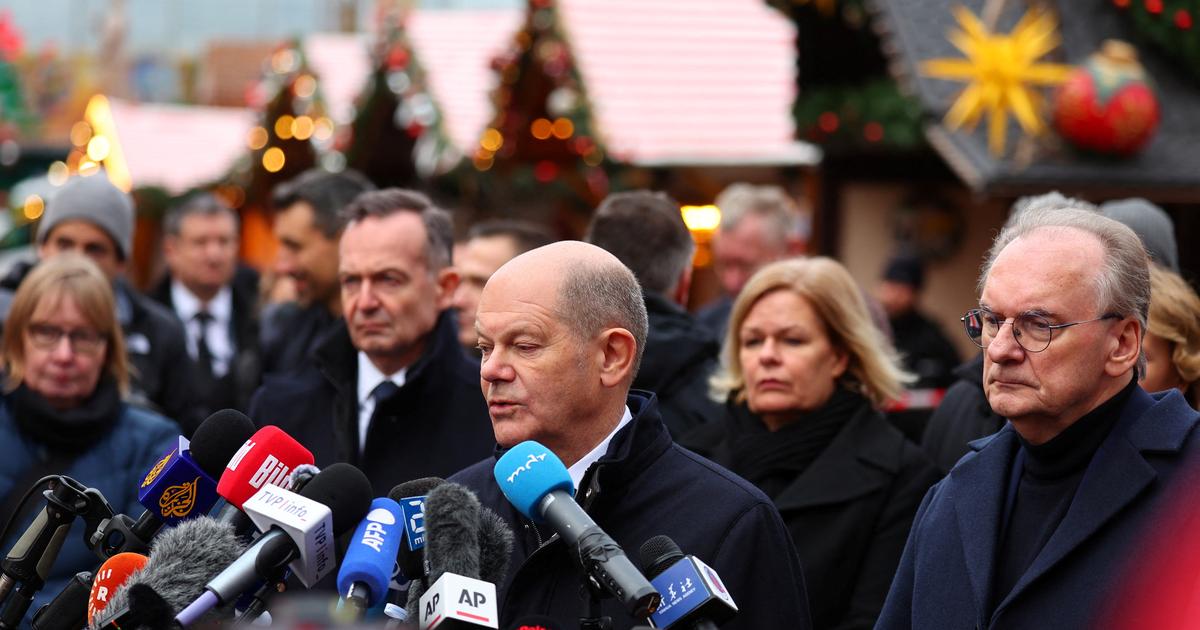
269,456
109,577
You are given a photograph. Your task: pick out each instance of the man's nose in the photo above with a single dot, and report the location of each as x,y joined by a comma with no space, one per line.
493,367
1004,346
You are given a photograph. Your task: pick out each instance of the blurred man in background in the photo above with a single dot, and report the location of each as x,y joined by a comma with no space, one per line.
215,298
307,225
759,224
680,354
489,245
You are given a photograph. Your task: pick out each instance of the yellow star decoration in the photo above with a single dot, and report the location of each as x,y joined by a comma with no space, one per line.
1002,72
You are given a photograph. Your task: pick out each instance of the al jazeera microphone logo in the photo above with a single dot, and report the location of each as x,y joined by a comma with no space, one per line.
178,501
158,468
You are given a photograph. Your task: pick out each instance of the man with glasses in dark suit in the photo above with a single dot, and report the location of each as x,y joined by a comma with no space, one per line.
1029,528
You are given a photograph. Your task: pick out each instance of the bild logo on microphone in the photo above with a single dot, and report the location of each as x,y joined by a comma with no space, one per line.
527,466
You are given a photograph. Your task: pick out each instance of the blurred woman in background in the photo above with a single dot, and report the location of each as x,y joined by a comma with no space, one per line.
1172,342
805,372
61,411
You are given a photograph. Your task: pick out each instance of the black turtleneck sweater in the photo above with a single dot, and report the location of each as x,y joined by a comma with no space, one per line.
1049,476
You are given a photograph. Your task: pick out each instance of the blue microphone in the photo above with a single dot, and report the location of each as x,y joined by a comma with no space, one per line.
369,561
537,483
693,595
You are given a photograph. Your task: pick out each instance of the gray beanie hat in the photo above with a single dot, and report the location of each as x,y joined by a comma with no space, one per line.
96,200
1151,224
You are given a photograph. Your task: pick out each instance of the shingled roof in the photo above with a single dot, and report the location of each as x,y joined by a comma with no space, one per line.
1166,170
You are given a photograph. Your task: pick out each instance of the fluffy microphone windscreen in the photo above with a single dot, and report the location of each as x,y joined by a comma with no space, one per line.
218,439
182,560
495,546
345,490
452,531
109,577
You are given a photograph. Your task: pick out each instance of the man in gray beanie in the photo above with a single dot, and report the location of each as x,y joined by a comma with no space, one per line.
91,216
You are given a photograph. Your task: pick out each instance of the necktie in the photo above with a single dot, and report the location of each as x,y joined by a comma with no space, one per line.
383,391
203,354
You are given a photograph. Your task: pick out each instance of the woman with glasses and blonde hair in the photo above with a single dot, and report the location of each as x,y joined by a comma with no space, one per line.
61,409
805,373
1172,342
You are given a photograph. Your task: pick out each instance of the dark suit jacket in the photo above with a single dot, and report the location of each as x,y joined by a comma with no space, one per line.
644,486
945,575
849,513
435,425
238,385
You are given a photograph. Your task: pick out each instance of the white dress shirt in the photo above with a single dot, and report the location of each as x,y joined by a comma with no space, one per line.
219,331
580,467
369,377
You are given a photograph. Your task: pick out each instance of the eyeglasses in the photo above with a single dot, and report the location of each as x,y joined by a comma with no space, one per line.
47,336
1032,332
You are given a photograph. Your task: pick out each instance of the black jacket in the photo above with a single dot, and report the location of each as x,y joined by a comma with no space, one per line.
436,424
945,575
289,333
715,316
644,486
963,416
235,388
162,376
849,513
925,349
680,356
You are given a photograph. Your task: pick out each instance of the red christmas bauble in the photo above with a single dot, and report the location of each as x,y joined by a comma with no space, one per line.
1106,105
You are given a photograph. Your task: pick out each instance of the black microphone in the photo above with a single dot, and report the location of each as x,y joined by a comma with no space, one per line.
180,486
299,531
693,595
68,609
453,596
411,495
182,559
537,483
144,609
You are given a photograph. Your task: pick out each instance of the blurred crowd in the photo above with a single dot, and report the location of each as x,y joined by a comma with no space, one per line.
379,341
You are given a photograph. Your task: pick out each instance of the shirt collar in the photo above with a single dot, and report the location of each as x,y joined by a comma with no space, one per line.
580,467
369,377
187,305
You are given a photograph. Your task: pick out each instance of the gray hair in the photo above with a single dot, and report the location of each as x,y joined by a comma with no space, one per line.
595,297
770,202
663,248
1122,286
439,227
203,204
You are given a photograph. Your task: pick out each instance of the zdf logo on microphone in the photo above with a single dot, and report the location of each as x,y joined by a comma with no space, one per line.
375,532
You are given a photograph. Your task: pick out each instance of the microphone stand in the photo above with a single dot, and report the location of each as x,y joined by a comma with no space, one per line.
36,550
592,618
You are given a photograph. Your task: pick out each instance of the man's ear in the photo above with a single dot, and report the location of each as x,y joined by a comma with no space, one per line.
447,285
1126,348
683,287
619,352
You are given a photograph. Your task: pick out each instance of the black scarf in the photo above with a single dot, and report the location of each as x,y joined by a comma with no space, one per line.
73,430
772,460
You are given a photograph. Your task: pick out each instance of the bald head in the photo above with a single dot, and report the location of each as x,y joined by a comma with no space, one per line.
592,289
561,330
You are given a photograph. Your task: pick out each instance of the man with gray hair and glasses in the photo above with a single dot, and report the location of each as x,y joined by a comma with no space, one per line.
1029,528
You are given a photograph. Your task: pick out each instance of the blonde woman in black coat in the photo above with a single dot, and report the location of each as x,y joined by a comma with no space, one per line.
805,373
